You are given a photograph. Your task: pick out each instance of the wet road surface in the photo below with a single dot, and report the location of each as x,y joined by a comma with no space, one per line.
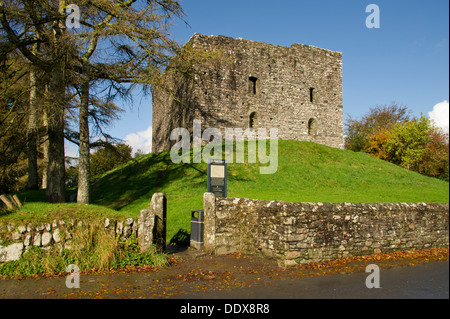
243,277
422,281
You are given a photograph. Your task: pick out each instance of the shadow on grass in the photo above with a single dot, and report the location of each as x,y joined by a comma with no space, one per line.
140,178
32,196
123,185
182,238
144,176
5,212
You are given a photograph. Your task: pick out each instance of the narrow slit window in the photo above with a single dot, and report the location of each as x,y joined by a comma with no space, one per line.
311,95
252,85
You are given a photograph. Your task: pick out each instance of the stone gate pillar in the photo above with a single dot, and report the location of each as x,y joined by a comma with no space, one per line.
209,235
152,224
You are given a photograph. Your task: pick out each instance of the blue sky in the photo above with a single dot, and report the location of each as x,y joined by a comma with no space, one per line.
406,60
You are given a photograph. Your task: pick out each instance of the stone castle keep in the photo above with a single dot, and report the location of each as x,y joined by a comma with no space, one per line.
296,89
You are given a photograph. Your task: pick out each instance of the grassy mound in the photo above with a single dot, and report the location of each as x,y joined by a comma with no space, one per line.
307,172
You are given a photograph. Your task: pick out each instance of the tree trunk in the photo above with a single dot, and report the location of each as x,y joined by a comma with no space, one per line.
56,190
32,134
56,164
45,145
83,160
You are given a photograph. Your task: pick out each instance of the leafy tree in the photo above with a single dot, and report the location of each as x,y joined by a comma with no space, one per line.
25,24
13,121
377,143
71,176
419,146
138,153
380,118
135,47
390,134
109,156
13,160
435,161
406,143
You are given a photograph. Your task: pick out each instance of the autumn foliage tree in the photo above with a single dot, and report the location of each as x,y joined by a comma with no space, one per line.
419,146
378,119
389,133
376,144
435,161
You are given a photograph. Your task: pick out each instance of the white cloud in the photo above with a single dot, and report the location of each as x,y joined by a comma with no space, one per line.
141,140
440,115
70,149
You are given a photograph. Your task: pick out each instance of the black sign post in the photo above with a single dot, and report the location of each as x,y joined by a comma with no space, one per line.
217,177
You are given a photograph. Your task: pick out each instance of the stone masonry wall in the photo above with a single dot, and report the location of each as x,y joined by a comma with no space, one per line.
313,232
257,85
17,237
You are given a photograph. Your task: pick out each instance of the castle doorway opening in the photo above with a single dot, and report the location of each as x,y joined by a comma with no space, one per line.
253,120
312,127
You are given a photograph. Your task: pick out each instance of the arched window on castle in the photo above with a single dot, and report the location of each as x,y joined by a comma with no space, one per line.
311,95
253,120
312,127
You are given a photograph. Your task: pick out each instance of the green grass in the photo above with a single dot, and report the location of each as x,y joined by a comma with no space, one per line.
36,210
92,247
307,172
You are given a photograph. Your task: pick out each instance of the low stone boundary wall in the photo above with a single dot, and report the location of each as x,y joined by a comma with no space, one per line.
150,228
314,232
